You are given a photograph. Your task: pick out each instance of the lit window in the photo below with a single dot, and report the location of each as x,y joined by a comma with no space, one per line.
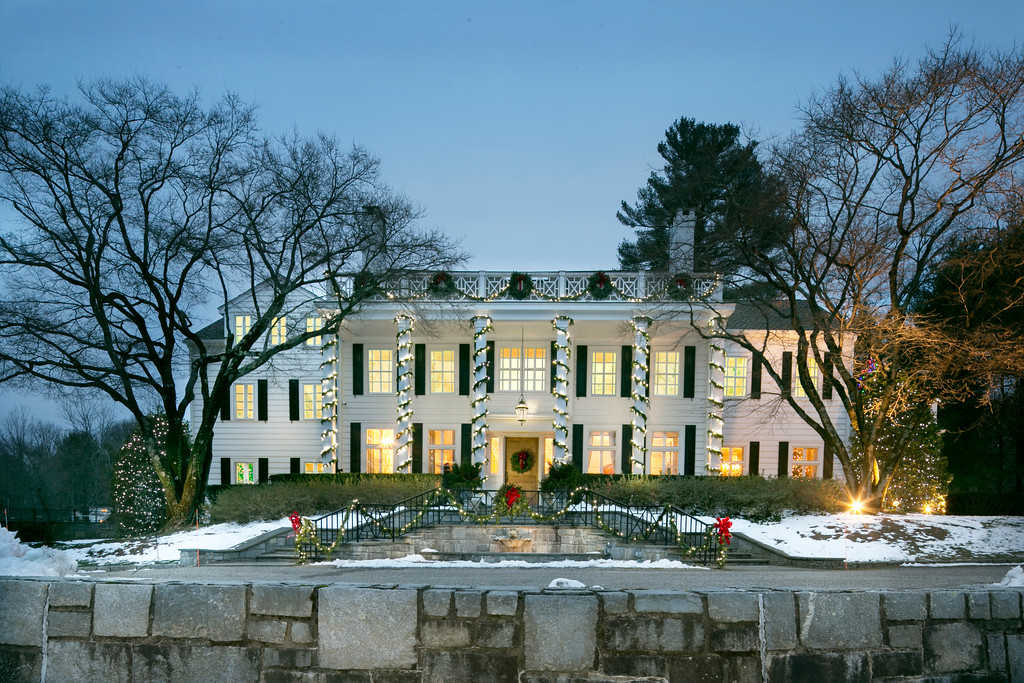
495,467
312,405
666,373
735,376
732,462
664,453
380,451
278,331
511,371
244,473
805,462
381,371
440,449
549,453
601,453
442,371
314,324
242,325
603,377
314,468
812,370
243,401
536,369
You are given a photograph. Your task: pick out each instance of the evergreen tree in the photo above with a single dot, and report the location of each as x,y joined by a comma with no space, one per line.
138,494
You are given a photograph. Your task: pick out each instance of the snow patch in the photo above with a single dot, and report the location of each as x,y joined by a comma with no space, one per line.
18,559
566,583
1013,579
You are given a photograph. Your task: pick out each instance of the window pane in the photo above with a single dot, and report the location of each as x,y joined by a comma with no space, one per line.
735,376
278,331
536,369
243,401
312,406
381,371
509,369
603,373
442,371
495,455
314,324
380,450
601,455
732,462
812,370
664,453
314,467
242,324
244,473
549,453
666,373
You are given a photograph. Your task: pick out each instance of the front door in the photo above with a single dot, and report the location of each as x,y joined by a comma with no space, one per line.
528,480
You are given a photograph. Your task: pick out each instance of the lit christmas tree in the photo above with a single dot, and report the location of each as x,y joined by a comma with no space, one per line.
138,496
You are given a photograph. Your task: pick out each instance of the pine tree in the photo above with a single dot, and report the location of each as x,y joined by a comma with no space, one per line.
139,503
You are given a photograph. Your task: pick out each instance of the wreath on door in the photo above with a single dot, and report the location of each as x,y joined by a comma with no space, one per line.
522,461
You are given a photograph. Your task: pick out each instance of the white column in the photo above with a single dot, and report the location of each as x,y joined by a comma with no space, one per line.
330,389
403,433
481,326
561,390
716,398
639,392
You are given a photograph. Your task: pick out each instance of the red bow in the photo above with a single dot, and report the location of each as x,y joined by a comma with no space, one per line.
721,527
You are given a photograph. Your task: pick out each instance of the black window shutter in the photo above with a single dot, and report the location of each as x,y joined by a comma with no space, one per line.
755,458
261,400
294,466
626,373
826,463
357,369
264,468
755,379
690,450
417,447
689,370
787,372
783,459
225,471
581,370
225,406
577,446
420,369
826,385
464,370
355,447
627,449
551,367
490,367
293,399
467,444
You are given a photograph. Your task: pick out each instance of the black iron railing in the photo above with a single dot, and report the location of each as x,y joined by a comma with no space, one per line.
657,524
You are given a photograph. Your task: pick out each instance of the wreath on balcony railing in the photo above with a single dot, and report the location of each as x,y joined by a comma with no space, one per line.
681,286
442,284
600,285
364,284
520,285
522,461
509,501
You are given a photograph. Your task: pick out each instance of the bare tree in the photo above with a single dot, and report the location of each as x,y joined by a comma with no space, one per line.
883,176
138,210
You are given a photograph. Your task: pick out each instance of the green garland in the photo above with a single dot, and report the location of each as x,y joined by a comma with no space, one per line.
522,461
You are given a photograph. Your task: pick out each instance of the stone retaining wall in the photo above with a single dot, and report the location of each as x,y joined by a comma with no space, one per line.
69,630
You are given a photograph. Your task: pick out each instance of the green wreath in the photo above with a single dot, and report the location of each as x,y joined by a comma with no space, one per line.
680,288
600,285
365,284
442,283
520,285
522,461
510,502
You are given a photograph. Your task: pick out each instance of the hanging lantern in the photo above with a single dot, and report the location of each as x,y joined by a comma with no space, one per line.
521,410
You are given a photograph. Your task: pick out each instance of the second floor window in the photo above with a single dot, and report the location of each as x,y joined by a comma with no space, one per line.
442,371
381,371
603,377
278,331
242,325
812,370
314,324
312,405
666,373
243,401
517,374
735,376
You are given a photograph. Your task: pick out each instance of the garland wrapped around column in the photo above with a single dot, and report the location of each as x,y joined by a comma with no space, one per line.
640,391
482,325
403,433
716,399
561,388
330,392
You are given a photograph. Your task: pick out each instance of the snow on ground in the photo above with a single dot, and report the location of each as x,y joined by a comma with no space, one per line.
917,539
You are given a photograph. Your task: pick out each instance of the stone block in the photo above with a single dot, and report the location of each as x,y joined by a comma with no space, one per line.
122,610
68,624
495,634
20,666
735,638
895,663
978,606
445,633
642,633
502,603
839,621
278,676
301,632
436,603
397,677
70,594
187,664
733,607
946,605
905,636
346,677
996,652
667,602
779,621
84,662
953,647
818,666
22,603
268,630
287,658
614,602
905,606
467,603
635,665
1015,657
1005,604
196,611
714,669
546,644
282,601
445,666
353,622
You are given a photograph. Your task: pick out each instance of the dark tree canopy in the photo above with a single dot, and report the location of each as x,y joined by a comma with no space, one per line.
712,171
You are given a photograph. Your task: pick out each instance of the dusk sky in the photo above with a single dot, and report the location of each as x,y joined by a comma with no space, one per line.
517,126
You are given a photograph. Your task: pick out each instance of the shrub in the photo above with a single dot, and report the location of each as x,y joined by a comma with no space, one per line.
464,476
562,476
